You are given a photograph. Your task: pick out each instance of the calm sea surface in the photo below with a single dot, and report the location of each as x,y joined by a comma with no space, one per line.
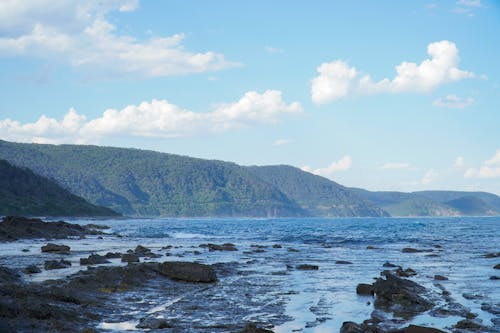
312,301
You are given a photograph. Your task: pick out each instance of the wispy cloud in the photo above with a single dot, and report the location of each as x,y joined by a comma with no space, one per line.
343,164
337,79
453,102
467,7
459,162
157,118
489,168
429,177
273,50
79,34
282,142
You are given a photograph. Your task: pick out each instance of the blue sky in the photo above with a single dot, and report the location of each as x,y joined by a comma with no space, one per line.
385,95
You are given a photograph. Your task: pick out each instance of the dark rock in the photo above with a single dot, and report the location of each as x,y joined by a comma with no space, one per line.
187,271
56,264
398,293
8,275
421,329
25,250
32,269
491,308
277,246
97,226
388,264
472,296
153,323
406,272
440,277
130,257
291,249
224,247
113,255
307,267
411,250
371,247
94,259
494,277
142,250
252,328
364,289
16,227
55,248
350,327
468,324
497,266
492,255
343,262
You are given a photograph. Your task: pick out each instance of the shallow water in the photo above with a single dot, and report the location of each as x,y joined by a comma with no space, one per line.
311,301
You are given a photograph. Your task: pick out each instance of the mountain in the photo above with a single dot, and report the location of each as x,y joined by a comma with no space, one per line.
434,203
24,193
146,183
316,195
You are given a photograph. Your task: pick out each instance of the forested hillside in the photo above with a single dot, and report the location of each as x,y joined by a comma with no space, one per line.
24,193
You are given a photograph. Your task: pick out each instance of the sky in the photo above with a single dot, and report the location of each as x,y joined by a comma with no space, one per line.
383,95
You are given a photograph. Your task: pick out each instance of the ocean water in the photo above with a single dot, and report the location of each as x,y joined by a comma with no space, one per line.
275,292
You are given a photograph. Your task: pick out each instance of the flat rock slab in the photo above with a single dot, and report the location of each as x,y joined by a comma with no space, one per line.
15,227
55,248
187,271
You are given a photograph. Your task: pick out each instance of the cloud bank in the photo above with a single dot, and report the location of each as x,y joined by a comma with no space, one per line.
78,33
489,168
337,79
343,164
156,119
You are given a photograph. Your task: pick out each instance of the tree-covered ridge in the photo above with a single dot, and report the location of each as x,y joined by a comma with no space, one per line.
317,195
24,193
145,183
434,203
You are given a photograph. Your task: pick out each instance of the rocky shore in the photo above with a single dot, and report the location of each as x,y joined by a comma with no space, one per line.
110,289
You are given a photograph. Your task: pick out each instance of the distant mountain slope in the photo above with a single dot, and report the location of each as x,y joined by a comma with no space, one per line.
24,193
317,195
145,183
434,203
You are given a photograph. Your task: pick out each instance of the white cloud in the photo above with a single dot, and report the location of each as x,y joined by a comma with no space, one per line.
489,169
469,3
343,164
459,162
337,79
429,177
273,50
282,142
157,118
79,34
453,102
393,166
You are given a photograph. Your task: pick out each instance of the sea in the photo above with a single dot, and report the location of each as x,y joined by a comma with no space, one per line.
269,250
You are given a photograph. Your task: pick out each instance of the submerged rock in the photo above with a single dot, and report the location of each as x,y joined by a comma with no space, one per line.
411,250
56,264
440,277
307,267
223,247
492,255
94,259
55,248
153,323
252,328
187,271
32,269
113,255
343,262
